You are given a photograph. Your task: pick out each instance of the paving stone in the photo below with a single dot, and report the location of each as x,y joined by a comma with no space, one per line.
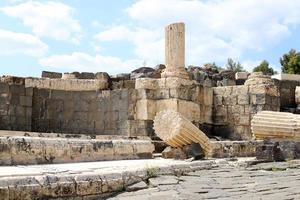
163,180
137,186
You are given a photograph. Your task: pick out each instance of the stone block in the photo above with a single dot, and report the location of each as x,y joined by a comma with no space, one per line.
47,74
26,101
240,90
190,110
208,96
4,109
122,148
146,83
218,100
17,89
20,111
146,109
145,94
243,99
4,88
241,75
244,120
29,91
230,100
162,94
297,95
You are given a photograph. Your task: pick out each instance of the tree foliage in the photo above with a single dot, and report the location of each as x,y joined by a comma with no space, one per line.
234,66
264,68
290,62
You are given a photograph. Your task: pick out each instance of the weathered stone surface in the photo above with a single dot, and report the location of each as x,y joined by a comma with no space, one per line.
67,84
175,51
82,180
241,75
143,72
257,78
297,95
278,150
137,186
34,150
289,77
276,125
177,131
228,180
193,150
175,153
47,74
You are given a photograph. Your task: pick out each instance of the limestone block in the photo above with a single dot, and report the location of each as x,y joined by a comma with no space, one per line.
47,74
271,90
289,77
276,125
208,96
67,84
5,153
297,95
243,99
26,101
175,82
257,78
4,88
218,100
146,83
189,109
240,90
145,109
177,131
241,75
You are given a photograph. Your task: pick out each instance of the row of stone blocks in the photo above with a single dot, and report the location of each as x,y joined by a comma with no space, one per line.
276,125
21,150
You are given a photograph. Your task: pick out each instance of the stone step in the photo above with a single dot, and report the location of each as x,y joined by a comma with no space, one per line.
89,180
22,150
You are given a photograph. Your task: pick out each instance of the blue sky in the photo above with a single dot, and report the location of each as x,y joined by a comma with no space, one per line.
120,35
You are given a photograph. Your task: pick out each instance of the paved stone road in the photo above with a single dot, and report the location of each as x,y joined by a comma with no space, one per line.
262,181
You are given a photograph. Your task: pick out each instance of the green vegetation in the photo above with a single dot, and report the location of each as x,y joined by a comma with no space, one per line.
290,62
264,68
234,66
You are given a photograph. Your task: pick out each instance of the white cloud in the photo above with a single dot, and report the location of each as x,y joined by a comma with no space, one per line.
21,43
80,61
250,64
47,19
215,30
144,40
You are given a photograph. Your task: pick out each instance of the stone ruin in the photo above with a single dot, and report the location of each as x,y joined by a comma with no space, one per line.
76,117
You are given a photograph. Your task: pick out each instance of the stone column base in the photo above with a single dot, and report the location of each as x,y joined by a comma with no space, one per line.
175,72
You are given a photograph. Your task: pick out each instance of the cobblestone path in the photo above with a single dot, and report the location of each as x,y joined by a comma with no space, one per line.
225,181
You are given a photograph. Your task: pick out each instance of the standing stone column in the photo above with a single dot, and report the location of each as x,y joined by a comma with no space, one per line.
175,51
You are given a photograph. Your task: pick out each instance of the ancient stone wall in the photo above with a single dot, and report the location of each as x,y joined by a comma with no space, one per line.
287,92
15,104
86,112
234,107
184,96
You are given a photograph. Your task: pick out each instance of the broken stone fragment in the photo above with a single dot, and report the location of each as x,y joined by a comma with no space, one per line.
276,125
193,150
177,131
